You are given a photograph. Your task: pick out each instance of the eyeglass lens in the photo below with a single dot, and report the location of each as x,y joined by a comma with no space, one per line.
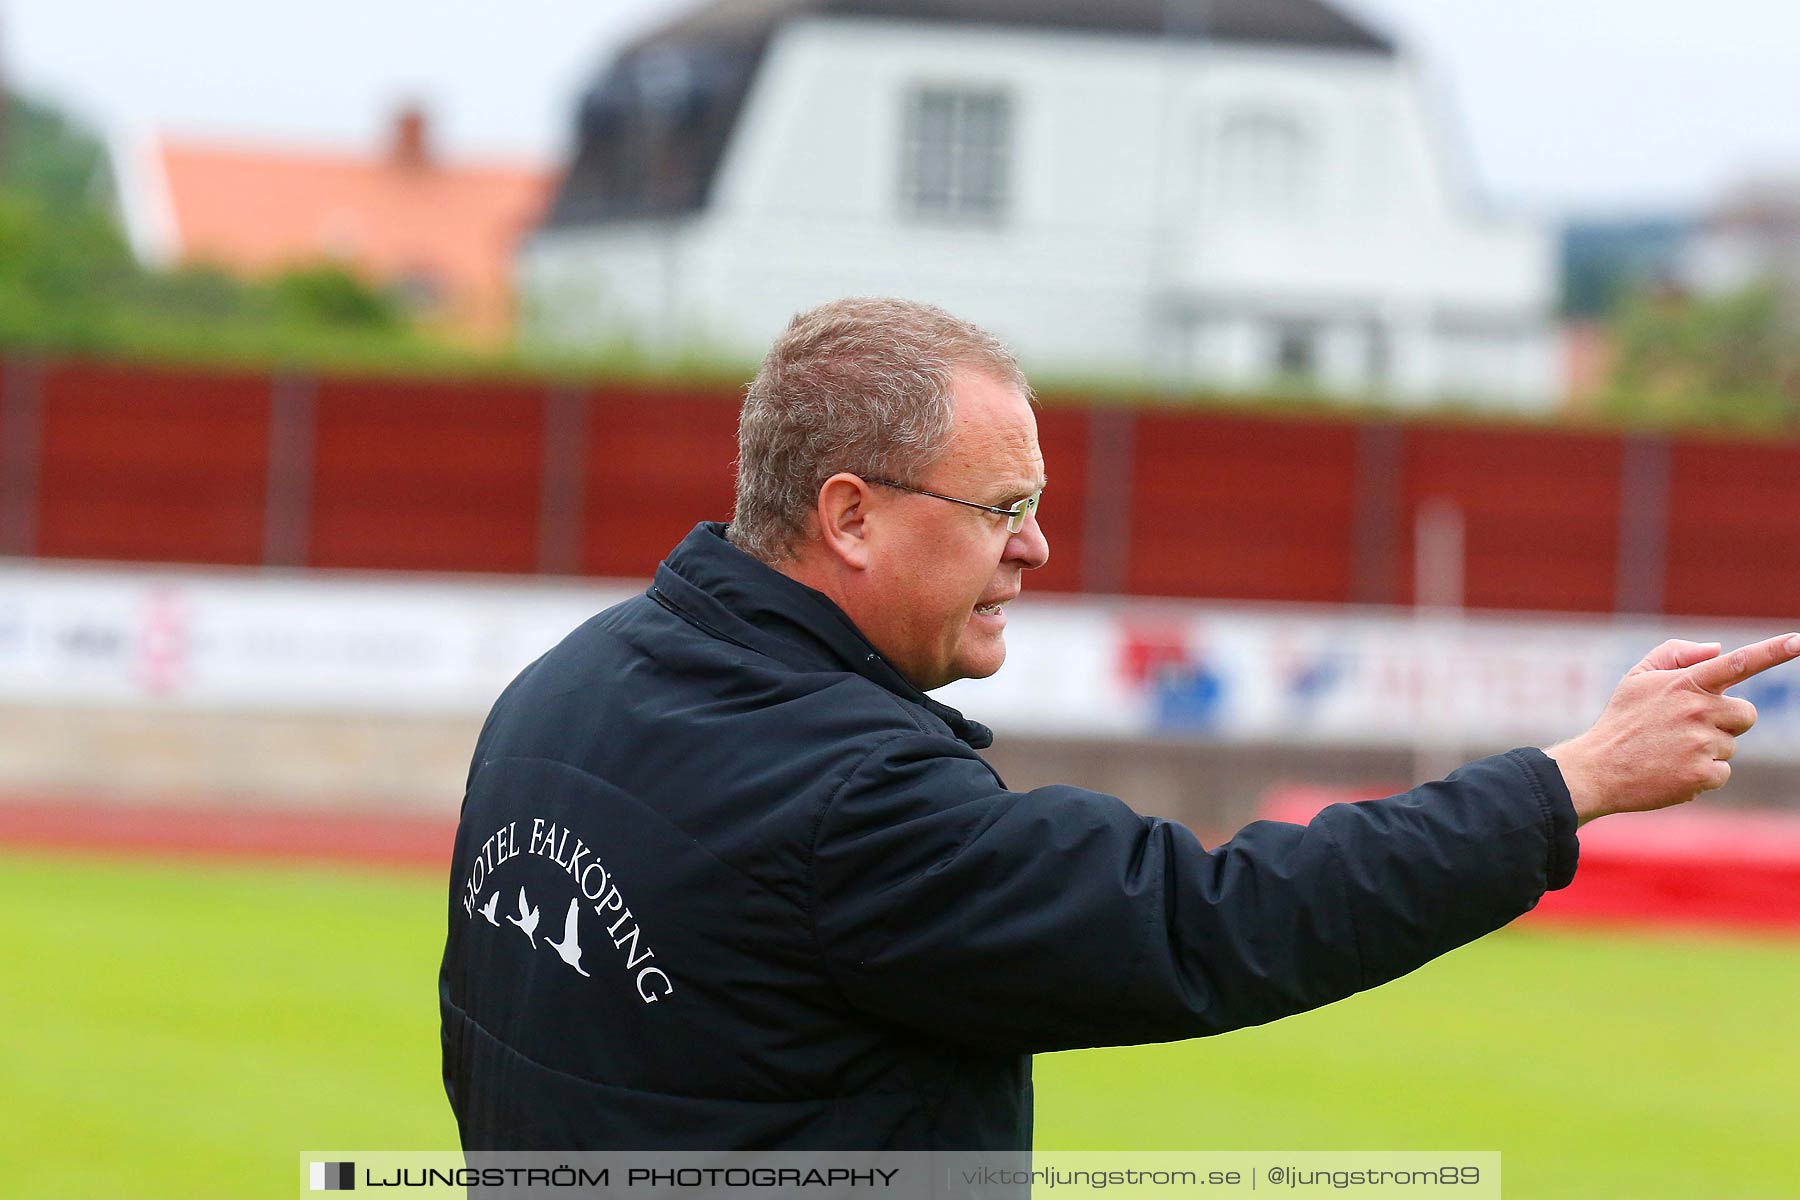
1015,521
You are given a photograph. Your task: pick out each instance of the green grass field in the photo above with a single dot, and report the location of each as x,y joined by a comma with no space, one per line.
184,1030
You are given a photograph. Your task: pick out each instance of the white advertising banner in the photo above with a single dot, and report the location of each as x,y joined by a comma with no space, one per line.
1335,675
288,642
310,642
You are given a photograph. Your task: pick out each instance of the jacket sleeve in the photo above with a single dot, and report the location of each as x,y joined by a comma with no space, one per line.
1060,918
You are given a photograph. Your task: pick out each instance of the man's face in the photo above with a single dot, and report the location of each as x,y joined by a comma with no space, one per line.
940,569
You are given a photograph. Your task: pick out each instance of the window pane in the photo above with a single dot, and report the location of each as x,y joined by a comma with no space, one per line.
936,118
1296,351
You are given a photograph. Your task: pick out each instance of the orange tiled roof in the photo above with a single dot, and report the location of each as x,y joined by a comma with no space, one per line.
257,210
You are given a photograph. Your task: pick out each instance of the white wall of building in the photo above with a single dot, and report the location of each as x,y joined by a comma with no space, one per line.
1134,239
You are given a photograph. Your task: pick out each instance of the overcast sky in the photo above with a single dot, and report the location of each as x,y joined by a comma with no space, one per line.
1557,105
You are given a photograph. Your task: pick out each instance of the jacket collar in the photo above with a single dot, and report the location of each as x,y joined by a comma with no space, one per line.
715,585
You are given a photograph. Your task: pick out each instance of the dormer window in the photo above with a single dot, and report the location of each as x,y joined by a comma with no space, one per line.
1267,164
954,156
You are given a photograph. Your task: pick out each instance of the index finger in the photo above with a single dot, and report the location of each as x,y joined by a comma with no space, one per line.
1727,670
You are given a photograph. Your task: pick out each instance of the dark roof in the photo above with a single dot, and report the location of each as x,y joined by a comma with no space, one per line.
653,127
1294,22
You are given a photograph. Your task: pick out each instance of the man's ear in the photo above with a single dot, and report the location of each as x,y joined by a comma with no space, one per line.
843,519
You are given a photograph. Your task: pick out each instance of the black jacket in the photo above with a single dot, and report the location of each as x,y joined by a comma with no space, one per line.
725,880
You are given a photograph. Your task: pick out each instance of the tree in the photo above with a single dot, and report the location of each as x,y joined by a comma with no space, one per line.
1728,361
54,157
69,281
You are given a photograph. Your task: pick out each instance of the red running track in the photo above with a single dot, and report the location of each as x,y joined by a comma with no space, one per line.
1702,867
331,836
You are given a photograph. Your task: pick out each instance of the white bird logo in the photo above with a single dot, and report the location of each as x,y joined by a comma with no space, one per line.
487,910
527,919
569,950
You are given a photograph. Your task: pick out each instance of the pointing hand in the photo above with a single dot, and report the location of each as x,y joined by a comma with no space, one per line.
1669,731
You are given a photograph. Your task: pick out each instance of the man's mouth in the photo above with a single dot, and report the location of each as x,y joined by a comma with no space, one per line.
988,610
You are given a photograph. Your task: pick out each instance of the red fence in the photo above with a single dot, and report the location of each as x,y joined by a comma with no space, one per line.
137,465
182,465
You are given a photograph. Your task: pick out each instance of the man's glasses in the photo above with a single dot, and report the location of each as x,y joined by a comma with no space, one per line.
1015,516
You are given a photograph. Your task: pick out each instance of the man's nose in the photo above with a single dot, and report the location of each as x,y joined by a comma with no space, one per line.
1029,547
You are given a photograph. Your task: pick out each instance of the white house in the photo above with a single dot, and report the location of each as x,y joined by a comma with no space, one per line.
1218,193
1751,237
